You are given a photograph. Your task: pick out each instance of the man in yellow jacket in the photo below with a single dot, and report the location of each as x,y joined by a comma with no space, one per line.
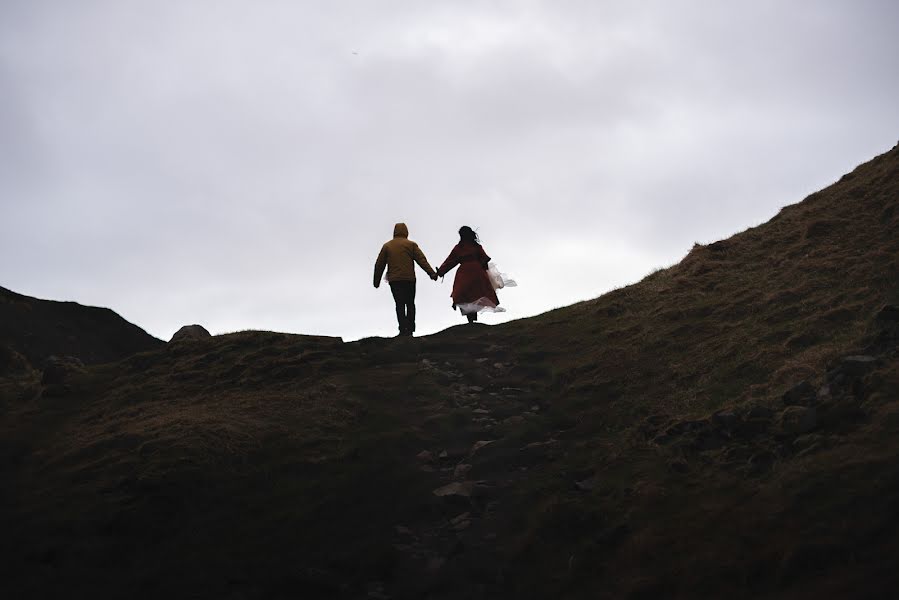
399,255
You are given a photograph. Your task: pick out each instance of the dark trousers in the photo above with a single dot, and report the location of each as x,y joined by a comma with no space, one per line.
404,296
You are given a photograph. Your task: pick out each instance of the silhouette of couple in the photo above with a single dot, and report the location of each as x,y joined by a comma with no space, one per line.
472,289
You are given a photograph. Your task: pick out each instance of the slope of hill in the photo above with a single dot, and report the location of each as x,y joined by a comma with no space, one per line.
724,427
38,329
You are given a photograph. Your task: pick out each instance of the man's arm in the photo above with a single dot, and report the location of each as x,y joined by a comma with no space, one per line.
419,257
379,265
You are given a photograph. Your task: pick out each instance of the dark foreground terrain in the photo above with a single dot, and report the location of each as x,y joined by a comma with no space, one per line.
727,427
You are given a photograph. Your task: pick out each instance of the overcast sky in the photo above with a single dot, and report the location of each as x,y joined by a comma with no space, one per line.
238,164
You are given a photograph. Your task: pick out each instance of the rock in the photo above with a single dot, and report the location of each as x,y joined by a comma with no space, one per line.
888,314
537,451
457,488
480,444
800,395
684,427
737,454
726,419
890,420
762,461
462,526
587,485
513,420
190,333
425,456
810,449
443,454
807,441
838,415
708,440
59,369
549,442
535,408
797,420
679,466
836,377
461,470
458,519
480,411
435,563
760,412
857,365
403,530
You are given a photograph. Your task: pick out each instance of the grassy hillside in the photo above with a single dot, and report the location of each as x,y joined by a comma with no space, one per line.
724,427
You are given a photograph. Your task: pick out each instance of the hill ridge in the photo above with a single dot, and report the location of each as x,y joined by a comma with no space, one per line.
38,329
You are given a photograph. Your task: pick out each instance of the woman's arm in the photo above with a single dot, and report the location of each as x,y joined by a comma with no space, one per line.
451,261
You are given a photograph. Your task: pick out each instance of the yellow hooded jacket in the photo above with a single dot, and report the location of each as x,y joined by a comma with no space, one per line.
398,255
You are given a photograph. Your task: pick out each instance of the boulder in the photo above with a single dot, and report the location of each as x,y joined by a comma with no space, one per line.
759,412
461,470
809,440
58,369
587,485
797,420
479,444
457,488
888,314
726,419
190,333
461,522
761,461
800,395
857,365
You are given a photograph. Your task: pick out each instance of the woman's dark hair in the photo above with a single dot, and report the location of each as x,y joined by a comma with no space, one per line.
467,234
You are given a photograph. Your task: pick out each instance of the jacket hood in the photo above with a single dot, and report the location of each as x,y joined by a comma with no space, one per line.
400,230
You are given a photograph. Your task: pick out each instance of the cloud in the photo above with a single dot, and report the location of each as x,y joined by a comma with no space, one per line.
239,165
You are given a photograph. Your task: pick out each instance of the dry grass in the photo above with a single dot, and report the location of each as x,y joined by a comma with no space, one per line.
258,464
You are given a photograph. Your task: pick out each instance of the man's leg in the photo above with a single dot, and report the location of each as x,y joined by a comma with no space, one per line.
410,308
399,298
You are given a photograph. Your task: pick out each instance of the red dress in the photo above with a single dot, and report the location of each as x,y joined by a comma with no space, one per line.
471,283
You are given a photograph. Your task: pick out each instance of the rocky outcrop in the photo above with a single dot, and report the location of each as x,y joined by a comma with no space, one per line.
59,369
190,333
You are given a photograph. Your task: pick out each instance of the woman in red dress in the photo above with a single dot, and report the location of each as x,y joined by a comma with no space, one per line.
472,289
